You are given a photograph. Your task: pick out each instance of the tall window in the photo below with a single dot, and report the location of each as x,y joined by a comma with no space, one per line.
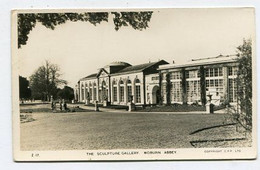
214,80
232,84
214,72
192,74
90,91
114,91
104,91
86,90
95,91
176,89
129,89
121,92
82,92
193,91
193,85
137,91
176,75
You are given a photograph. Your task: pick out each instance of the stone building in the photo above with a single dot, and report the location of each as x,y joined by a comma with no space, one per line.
198,79
118,81
161,82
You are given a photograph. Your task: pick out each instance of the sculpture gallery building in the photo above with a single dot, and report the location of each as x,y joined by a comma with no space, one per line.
118,82
154,82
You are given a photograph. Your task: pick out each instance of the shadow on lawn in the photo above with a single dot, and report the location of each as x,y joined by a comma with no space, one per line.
211,127
195,143
219,139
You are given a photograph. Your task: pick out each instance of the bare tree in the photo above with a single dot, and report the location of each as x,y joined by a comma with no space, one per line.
45,81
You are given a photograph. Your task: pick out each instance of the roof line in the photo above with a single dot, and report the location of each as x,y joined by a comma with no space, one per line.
219,56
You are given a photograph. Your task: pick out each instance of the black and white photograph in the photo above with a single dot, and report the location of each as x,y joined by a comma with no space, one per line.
134,84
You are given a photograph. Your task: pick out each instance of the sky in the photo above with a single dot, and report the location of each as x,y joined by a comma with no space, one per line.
179,35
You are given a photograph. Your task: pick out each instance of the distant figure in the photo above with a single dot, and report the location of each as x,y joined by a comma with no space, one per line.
216,99
53,105
64,104
60,103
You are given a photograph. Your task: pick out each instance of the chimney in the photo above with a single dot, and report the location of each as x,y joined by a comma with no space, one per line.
173,62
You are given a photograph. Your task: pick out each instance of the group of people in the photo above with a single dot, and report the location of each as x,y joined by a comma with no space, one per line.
62,105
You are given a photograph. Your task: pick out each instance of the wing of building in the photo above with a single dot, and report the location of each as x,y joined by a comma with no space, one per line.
120,82
161,82
197,80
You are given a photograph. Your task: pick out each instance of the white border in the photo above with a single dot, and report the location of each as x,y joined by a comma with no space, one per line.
5,100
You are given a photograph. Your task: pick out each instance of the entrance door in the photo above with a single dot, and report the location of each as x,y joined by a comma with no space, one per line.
155,95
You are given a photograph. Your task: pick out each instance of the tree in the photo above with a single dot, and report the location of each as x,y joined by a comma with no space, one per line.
45,81
66,93
24,90
244,84
26,22
168,88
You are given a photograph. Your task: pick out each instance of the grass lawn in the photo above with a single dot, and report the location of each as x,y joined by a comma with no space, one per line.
104,130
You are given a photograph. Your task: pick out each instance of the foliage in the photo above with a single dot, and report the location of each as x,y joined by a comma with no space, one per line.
138,20
244,84
168,89
183,86
66,93
24,90
26,22
203,86
45,81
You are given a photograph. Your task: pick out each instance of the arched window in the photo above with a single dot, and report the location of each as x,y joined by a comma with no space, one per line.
104,90
121,91
137,91
114,91
129,90
103,84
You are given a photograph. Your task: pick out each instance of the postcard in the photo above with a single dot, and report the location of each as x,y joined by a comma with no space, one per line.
134,84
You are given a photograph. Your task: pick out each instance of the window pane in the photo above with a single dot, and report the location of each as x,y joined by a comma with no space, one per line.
138,94
121,94
115,93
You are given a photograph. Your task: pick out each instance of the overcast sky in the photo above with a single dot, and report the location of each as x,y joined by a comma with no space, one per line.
80,48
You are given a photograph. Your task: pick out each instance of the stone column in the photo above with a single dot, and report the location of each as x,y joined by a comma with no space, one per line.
143,94
97,93
118,91
80,92
93,88
85,96
133,92
125,93
109,90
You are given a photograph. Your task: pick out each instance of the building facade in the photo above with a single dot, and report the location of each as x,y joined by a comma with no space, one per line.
119,82
197,80
161,82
